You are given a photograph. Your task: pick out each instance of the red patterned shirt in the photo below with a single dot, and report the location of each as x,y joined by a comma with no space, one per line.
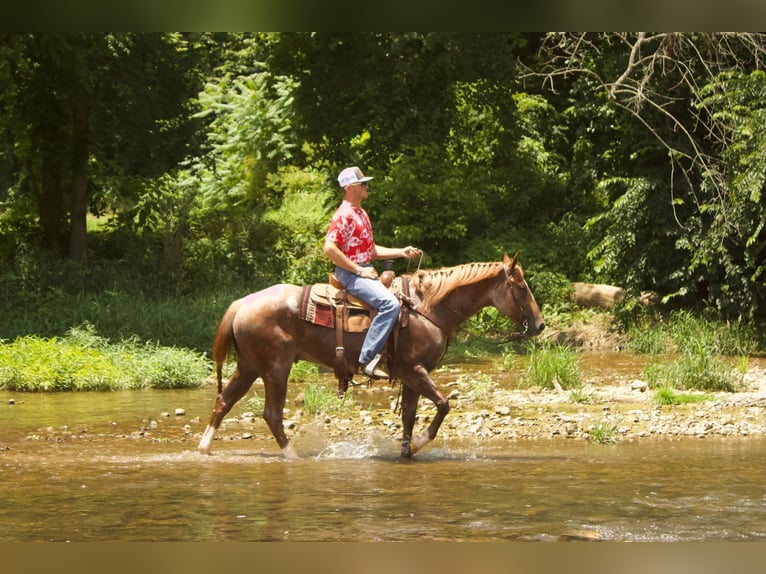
351,231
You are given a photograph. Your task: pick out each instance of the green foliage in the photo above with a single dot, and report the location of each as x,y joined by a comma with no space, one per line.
547,361
685,332
84,361
302,219
318,399
694,371
580,396
603,433
647,337
256,404
304,372
667,396
211,162
551,290
480,386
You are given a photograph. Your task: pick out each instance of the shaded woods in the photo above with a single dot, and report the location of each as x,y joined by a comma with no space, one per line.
146,179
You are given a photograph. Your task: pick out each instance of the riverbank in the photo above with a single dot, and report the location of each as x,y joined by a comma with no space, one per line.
626,411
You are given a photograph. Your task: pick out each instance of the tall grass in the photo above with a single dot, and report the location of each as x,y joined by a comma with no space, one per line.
684,332
546,362
84,361
694,370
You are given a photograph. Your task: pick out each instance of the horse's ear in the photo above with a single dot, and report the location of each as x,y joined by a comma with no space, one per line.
511,263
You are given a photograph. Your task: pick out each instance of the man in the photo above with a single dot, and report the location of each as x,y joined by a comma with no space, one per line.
351,247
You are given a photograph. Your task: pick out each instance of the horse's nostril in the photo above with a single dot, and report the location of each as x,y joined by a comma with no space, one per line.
542,327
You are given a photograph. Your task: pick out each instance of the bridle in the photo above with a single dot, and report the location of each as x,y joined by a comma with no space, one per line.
524,320
515,335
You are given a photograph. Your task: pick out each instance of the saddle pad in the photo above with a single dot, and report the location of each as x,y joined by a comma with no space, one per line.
318,304
313,312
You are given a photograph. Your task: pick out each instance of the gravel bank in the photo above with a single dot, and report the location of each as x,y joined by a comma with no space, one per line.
626,411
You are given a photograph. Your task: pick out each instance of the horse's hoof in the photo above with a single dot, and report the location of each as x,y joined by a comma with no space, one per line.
418,443
289,453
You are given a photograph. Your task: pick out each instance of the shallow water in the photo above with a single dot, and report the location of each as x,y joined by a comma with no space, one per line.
123,467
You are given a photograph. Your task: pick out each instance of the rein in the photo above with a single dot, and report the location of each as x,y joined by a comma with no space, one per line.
516,336
417,309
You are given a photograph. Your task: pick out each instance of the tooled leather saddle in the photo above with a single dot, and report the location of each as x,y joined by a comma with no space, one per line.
330,305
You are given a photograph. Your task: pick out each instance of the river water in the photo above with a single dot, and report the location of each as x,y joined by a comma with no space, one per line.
123,467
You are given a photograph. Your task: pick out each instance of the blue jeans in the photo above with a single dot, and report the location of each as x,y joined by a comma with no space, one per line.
377,295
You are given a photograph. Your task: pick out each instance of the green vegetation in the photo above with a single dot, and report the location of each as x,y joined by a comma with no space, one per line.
580,396
603,433
668,396
685,332
694,371
146,225
480,386
318,399
83,361
546,362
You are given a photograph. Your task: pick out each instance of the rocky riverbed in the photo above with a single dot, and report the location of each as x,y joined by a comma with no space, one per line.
486,405
598,412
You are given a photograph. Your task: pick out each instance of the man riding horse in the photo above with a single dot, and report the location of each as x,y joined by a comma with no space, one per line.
350,245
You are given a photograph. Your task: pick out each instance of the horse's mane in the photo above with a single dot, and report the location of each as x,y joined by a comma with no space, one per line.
434,285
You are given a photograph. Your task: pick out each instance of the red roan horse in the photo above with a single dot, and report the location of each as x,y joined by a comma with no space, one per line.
268,334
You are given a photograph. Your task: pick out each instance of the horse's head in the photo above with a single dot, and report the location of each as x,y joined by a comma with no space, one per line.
518,301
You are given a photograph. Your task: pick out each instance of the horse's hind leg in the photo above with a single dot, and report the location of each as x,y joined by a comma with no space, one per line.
240,383
276,393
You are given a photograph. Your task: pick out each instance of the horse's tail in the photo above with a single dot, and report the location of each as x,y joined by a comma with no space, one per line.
224,341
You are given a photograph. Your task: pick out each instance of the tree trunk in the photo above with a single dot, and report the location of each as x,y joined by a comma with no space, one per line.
78,230
49,204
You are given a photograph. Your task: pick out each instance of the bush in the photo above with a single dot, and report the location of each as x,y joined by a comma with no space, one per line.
83,361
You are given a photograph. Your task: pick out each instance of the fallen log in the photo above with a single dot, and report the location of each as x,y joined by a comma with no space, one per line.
597,295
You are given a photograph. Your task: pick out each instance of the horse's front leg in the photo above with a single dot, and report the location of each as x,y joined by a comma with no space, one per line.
409,410
421,384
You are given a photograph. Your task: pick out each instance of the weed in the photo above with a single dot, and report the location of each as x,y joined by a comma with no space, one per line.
603,433
256,404
694,371
548,361
318,399
667,396
481,387
304,372
83,361
580,396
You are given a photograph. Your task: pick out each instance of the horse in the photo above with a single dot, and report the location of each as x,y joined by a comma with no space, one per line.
268,335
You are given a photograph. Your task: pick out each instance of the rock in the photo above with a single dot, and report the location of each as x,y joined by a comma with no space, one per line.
11,402
180,412
638,385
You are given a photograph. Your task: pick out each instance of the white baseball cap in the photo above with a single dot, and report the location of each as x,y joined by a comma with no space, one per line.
352,175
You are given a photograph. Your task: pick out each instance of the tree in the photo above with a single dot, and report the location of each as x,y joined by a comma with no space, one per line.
77,101
696,95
